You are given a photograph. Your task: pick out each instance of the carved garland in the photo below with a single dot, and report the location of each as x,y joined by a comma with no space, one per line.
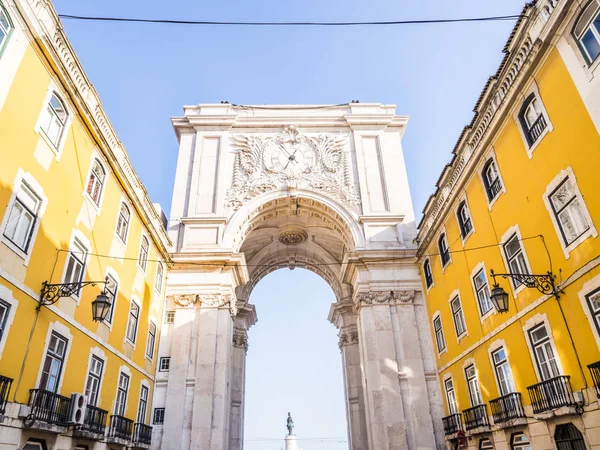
383,298
348,338
206,300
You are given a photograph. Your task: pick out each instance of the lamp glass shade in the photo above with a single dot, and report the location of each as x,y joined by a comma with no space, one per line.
499,298
100,307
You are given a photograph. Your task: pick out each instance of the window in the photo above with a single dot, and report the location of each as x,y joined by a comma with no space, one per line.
54,121
464,220
520,442
482,291
143,257
428,274
76,264
4,310
451,396
159,278
22,218
159,416
6,28
141,417
96,181
444,251
587,32
123,222
165,364
53,364
92,385
503,372
111,289
543,352
170,317
485,444
491,180
532,119
122,389
473,385
568,437
593,301
457,316
34,445
132,323
439,334
151,340
515,258
568,211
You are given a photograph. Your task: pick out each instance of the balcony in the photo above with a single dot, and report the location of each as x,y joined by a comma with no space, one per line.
536,129
551,394
5,384
94,423
142,435
49,408
452,424
508,407
476,417
120,430
594,370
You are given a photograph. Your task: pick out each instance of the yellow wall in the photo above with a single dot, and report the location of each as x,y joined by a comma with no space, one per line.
63,179
573,142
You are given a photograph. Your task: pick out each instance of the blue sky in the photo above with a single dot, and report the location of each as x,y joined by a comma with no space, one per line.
433,73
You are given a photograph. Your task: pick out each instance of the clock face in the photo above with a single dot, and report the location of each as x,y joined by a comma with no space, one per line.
291,158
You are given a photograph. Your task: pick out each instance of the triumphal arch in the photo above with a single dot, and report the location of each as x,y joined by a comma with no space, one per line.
259,188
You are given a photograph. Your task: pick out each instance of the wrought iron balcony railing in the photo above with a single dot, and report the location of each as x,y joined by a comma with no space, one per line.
142,434
476,417
95,420
536,129
120,427
595,371
551,394
5,384
452,423
49,407
507,407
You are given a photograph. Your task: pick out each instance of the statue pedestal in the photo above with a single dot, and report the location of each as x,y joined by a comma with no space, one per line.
291,442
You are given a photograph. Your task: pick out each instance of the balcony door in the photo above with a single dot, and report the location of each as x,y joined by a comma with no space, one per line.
544,353
53,363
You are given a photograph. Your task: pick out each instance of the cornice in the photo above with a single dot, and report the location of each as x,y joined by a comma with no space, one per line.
525,45
44,24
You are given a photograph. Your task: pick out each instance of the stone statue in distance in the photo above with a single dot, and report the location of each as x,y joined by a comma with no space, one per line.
290,424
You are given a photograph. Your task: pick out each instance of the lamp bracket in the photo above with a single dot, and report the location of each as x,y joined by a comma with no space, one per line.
543,283
51,293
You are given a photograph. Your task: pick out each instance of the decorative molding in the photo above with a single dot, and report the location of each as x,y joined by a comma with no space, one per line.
240,339
370,298
292,237
348,338
207,301
185,300
262,164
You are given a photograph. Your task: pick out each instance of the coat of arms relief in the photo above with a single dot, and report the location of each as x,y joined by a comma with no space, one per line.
291,159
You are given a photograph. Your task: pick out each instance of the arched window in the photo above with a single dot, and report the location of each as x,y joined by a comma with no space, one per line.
144,249
443,247
587,31
519,442
55,120
485,444
568,437
96,182
532,119
123,222
491,179
428,274
464,219
6,28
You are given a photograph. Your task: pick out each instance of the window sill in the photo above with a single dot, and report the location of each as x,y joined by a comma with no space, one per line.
129,342
531,149
590,232
16,250
462,336
488,314
444,266
445,350
466,238
495,199
92,203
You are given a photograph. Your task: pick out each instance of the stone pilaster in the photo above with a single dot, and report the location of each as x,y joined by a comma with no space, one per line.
246,317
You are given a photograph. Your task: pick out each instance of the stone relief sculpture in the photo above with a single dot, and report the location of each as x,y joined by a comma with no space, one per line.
291,159
383,297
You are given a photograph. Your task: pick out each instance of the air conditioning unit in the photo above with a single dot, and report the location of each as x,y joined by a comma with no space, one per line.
77,411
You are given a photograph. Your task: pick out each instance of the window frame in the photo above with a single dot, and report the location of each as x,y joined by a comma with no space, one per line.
24,189
439,332
486,444
167,361
531,92
464,233
167,321
521,445
144,253
497,365
428,274
4,318
121,407
161,414
98,202
533,345
78,243
143,402
452,405
10,30
94,376
458,314
151,337
444,252
594,15
159,277
480,269
108,320
514,233
137,322
43,120
568,443
473,383
62,359
127,221
487,187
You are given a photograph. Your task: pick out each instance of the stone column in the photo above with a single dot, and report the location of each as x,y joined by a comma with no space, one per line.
343,317
397,400
246,317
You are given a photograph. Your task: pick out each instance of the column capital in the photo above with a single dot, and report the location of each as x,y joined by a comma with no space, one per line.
348,336
383,297
240,338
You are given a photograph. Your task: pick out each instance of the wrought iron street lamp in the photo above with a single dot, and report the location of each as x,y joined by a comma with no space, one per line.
543,283
51,293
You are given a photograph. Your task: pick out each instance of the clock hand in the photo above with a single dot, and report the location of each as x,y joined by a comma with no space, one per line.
283,148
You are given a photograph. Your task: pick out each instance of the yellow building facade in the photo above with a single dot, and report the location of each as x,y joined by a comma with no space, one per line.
72,211
520,196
